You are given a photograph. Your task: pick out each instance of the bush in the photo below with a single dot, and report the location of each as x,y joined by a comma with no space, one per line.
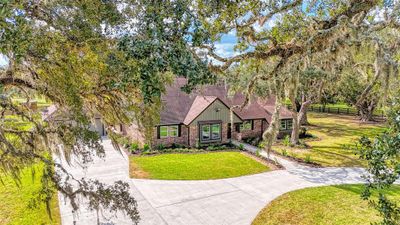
258,152
146,147
177,145
134,147
241,147
286,141
307,159
215,147
284,152
160,147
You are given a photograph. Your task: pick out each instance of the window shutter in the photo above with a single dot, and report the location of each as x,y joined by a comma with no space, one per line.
179,130
158,132
252,124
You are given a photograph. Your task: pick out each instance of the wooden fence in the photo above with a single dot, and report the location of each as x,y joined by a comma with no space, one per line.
338,110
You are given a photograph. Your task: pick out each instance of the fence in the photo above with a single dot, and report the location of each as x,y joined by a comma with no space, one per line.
339,110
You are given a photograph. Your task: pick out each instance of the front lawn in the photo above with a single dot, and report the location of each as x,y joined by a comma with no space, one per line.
334,205
335,133
14,202
197,166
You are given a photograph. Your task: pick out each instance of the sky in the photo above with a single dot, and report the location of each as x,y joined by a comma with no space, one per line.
225,47
3,60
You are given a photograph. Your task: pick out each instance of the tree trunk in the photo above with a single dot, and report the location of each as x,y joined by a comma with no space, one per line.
303,112
366,111
294,138
271,133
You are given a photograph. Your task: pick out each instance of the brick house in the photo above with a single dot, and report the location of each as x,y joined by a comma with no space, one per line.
204,117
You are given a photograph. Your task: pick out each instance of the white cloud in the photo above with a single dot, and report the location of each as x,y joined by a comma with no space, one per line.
225,49
268,24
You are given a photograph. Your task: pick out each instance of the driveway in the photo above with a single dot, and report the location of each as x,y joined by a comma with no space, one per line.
224,201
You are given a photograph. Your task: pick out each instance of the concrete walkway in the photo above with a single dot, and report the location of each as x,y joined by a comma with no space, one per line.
224,201
284,162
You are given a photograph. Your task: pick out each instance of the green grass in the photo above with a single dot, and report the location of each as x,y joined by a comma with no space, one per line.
200,166
336,135
334,205
14,202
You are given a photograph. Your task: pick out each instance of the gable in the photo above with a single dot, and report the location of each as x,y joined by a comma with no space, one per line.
216,111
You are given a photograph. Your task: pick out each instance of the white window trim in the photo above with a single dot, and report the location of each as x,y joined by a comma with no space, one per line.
169,131
287,124
284,123
177,131
219,132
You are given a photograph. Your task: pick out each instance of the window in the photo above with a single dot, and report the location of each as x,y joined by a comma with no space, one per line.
283,125
169,131
210,132
173,131
289,124
205,132
163,131
215,131
246,125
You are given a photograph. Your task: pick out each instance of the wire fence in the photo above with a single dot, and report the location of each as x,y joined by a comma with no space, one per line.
339,110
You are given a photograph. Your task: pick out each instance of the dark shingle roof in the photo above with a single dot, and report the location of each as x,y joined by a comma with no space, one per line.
178,105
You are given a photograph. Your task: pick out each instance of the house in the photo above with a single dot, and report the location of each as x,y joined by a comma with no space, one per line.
203,116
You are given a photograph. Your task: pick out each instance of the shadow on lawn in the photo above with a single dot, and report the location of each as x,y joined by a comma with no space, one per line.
357,189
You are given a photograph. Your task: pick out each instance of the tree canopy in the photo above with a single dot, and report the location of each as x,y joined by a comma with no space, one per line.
114,58
107,58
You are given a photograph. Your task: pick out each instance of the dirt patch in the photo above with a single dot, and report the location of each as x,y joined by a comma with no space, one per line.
136,172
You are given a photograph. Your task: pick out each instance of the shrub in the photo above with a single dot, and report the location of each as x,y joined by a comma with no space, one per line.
284,152
124,141
286,141
215,147
134,146
177,145
258,152
307,159
241,147
160,147
261,145
146,147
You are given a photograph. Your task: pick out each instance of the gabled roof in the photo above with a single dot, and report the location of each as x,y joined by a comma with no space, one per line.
180,107
199,104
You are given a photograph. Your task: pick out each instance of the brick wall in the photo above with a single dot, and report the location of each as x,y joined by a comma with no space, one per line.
255,132
193,135
190,134
168,141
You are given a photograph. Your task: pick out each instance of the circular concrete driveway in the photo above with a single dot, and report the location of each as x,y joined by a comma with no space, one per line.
225,201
